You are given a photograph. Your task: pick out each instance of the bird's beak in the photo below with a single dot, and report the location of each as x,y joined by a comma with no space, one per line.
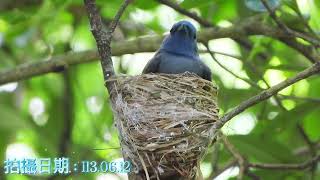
180,28
184,28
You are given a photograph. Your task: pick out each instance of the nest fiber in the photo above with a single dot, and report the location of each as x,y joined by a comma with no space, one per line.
165,122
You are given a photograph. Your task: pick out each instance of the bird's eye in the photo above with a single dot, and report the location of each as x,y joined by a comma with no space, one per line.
194,36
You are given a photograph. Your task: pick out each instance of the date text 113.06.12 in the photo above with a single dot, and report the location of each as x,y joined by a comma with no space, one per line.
104,167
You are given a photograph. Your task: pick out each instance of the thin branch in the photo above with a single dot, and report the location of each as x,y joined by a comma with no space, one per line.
303,19
288,67
252,175
244,165
314,69
302,151
228,165
300,166
240,159
274,16
306,50
307,140
103,39
215,156
66,136
185,12
311,99
221,53
311,146
249,62
117,17
65,139
229,71
286,28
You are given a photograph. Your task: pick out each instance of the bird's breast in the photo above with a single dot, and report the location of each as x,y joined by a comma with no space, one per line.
173,64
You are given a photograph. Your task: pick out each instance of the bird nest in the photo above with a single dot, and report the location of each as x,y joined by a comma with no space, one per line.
165,122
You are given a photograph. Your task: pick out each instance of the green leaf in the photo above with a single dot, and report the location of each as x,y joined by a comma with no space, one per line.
274,174
195,3
145,4
311,124
10,119
283,127
224,10
261,149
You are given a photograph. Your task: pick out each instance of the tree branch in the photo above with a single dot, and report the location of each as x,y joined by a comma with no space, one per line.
66,135
311,99
103,39
274,16
308,141
303,151
65,139
245,165
286,29
311,146
242,163
185,12
314,69
253,84
248,27
300,166
228,165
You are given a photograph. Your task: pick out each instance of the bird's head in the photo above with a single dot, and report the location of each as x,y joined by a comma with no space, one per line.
182,40
184,28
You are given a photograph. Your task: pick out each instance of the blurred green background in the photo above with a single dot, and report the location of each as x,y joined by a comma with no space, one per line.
68,113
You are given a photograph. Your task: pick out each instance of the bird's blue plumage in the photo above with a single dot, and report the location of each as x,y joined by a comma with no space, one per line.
179,53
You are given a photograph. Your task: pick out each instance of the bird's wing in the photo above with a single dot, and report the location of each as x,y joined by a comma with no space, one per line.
206,72
153,65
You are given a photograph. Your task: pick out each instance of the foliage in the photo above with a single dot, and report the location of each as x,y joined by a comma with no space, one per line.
33,111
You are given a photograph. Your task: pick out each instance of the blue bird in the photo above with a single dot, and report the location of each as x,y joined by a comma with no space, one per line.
179,53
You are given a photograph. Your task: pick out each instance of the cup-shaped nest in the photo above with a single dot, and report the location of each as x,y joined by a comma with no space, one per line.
165,122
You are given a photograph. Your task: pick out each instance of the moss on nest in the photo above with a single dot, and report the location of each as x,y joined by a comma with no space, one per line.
165,121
